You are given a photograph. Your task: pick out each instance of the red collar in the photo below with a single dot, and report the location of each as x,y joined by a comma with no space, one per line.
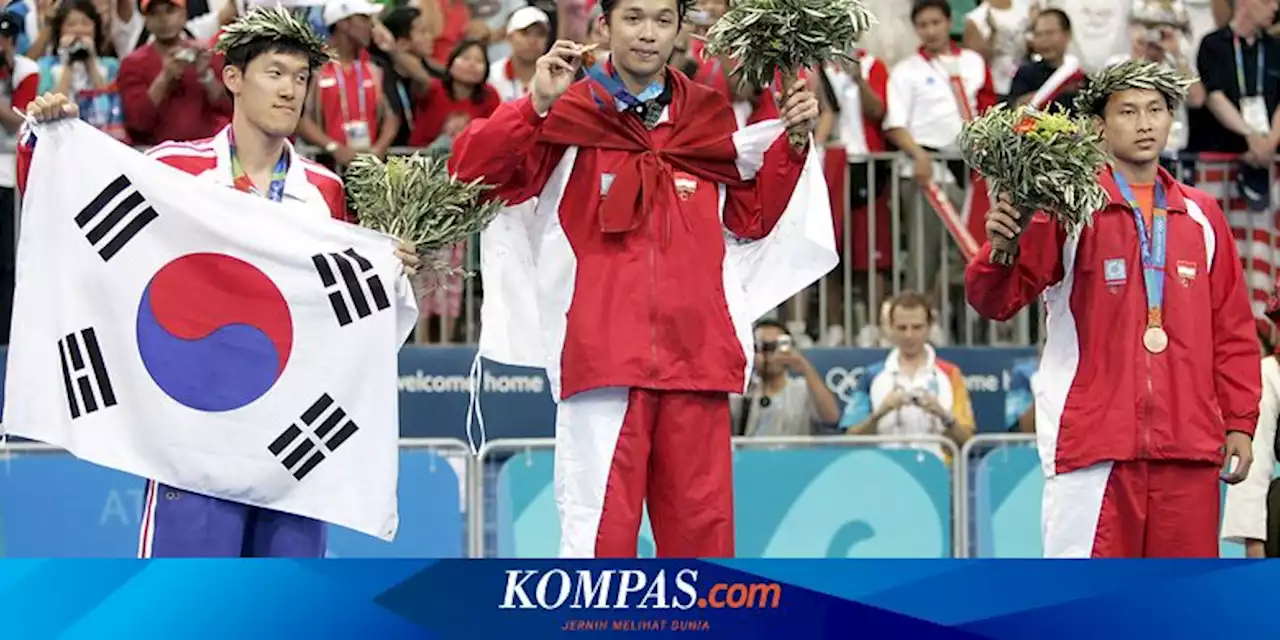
700,143
1173,194
924,53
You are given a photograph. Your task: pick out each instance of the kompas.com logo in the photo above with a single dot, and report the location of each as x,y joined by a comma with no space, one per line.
631,589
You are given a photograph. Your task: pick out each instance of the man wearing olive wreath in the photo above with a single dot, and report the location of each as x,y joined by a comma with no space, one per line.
1150,373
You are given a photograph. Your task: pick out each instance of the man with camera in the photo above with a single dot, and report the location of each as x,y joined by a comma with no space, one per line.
169,88
787,396
913,392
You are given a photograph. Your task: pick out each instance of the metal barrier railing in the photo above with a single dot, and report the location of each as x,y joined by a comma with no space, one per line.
493,448
982,443
476,490
922,255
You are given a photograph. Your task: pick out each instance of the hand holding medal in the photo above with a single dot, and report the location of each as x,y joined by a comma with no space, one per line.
769,36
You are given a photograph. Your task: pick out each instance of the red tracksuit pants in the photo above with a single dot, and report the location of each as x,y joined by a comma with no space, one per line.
1133,509
618,449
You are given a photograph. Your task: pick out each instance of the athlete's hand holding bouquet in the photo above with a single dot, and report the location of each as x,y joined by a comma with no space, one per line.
1035,161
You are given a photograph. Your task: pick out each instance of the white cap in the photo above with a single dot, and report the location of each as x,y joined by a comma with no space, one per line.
525,17
336,11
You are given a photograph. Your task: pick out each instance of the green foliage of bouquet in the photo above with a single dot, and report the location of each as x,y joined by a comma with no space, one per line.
1044,161
765,36
414,198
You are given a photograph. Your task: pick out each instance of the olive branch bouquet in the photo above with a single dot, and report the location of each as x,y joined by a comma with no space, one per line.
765,36
417,200
1045,161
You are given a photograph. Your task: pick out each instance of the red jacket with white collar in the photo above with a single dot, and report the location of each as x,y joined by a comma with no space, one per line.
1100,394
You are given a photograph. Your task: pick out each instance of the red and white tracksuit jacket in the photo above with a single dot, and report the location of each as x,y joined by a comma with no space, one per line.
650,340
1102,399
1107,397
648,307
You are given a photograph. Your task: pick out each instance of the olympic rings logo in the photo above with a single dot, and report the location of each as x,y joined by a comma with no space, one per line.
843,382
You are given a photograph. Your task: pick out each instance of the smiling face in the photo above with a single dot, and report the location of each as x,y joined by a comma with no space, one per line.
1136,125
642,34
270,91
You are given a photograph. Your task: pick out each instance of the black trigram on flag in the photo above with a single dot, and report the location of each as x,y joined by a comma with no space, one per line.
323,427
111,232
338,273
84,375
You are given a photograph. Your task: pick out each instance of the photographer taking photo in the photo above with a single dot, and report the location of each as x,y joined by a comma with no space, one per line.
776,403
913,392
76,70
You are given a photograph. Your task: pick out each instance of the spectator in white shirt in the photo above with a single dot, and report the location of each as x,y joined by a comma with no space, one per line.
913,392
1100,29
932,93
527,32
998,30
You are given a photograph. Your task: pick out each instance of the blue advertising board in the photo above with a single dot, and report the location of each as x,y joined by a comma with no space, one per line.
55,506
434,388
517,404
832,502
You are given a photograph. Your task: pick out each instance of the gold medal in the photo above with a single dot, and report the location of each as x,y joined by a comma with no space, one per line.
1155,339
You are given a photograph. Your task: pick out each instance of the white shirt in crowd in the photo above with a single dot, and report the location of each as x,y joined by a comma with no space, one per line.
502,78
851,126
1099,29
1011,39
1245,515
921,99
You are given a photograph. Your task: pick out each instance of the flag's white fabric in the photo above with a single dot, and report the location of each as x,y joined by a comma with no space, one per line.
65,287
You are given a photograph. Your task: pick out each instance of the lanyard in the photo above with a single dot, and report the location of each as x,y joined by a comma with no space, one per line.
1153,247
608,78
242,182
342,90
955,82
1240,66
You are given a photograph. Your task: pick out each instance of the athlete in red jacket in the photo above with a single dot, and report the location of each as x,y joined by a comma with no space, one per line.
636,173
1139,386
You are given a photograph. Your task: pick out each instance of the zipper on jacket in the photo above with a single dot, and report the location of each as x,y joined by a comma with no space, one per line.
653,298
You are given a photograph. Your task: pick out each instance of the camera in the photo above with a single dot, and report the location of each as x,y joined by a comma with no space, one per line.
78,51
186,55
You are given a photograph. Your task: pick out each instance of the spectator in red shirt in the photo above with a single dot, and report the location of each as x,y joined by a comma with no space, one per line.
349,113
457,99
168,87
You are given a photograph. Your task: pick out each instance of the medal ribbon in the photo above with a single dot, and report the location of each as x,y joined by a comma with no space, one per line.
241,179
1153,246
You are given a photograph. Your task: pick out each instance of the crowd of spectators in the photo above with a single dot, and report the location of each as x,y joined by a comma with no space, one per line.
413,73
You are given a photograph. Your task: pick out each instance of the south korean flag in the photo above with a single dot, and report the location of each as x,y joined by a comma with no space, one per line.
212,340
